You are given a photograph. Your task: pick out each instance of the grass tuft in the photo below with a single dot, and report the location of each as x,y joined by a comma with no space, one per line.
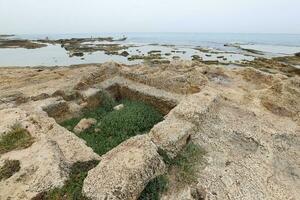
185,164
9,168
16,138
73,186
154,189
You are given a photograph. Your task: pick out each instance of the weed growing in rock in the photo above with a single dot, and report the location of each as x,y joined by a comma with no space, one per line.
186,163
184,167
16,138
154,189
9,168
73,186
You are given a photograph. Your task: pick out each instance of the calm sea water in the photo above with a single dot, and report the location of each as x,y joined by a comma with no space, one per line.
271,44
209,39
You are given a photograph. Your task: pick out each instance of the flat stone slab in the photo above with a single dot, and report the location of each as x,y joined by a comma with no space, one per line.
124,171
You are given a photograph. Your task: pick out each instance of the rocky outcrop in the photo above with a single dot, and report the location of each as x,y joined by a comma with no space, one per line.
183,79
124,171
246,120
45,164
282,98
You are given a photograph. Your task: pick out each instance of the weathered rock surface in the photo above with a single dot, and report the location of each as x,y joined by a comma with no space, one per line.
45,164
124,171
246,119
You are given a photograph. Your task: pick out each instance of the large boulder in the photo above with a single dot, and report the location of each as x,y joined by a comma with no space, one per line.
124,171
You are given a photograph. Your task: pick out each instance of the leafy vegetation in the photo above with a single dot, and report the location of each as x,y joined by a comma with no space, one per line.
9,168
185,165
73,186
154,189
115,126
187,162
16,138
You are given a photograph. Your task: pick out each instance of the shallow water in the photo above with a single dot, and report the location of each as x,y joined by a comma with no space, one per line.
52,55
274,49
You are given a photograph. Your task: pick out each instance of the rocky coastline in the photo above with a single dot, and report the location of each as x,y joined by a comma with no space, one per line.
245,118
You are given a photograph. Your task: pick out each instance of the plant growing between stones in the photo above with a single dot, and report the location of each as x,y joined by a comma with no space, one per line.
9,168
116,126
16,138
154,188
185,168
73,186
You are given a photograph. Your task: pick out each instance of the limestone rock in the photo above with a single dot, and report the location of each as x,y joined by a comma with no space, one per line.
119,107
45,164
172,135
124,171
283,98
84,124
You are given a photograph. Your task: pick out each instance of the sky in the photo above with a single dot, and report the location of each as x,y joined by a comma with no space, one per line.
96,16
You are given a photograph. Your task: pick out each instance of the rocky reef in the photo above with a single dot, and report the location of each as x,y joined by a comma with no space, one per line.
245,120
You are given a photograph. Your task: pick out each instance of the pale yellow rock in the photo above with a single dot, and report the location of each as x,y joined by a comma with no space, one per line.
124,171
84,124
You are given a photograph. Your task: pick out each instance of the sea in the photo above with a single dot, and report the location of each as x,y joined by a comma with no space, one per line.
232,46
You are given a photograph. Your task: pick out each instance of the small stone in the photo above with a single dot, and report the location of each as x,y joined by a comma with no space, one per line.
119,107
97,130
84,124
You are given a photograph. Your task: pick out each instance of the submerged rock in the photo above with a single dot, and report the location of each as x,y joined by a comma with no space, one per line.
124,53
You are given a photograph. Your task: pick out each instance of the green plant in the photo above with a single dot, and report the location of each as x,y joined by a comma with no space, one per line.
186,163
73,186
107,101
9,168
16,138
117,126
154,188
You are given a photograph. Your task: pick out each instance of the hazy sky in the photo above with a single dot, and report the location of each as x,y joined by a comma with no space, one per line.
84,16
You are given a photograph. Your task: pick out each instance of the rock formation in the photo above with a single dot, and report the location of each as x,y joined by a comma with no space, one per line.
246,119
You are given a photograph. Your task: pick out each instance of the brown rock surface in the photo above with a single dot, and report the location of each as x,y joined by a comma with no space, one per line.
246,119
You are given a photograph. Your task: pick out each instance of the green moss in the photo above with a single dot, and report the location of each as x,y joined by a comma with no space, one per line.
9,168
16,138
154,189
73,186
